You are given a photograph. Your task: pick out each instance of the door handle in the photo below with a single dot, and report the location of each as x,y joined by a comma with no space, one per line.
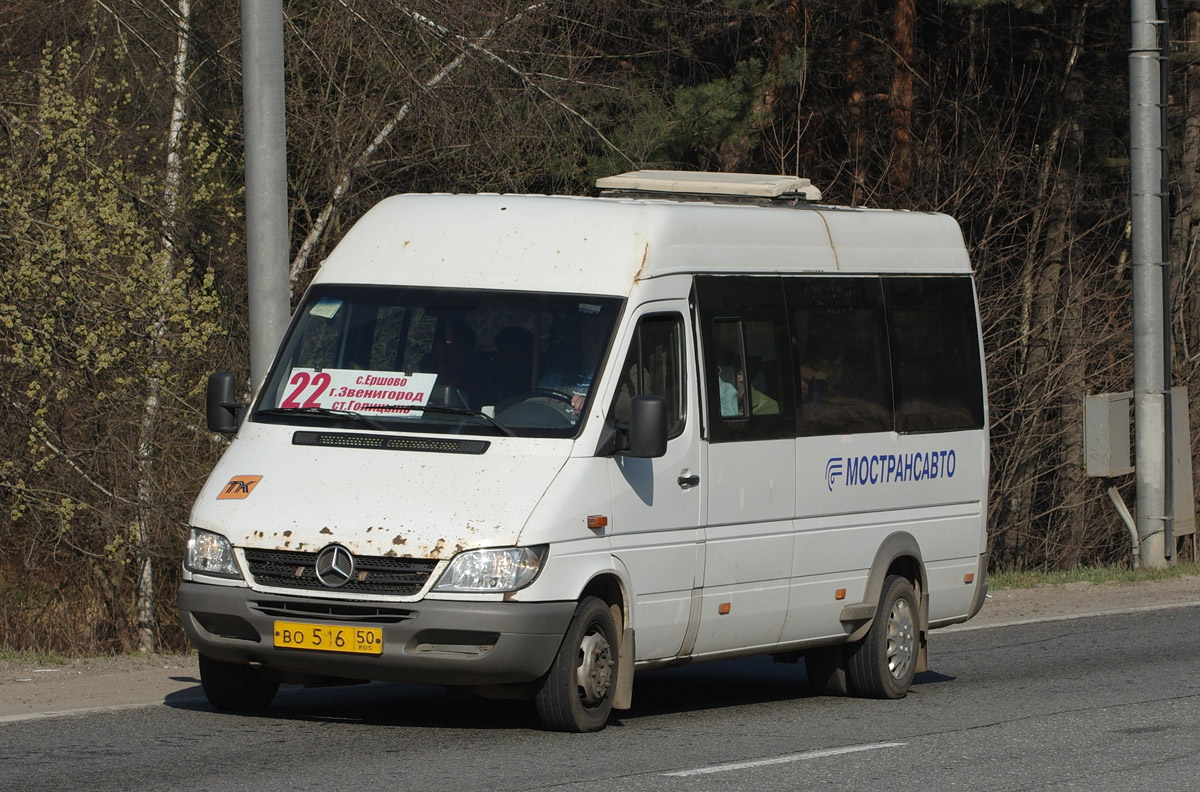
689,481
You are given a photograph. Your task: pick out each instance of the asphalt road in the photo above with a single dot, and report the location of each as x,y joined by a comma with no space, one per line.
1104,703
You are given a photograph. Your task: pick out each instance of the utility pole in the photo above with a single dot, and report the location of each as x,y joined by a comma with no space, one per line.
266,181
1151,279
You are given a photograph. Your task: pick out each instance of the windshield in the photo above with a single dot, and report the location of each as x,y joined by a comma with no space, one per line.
440,360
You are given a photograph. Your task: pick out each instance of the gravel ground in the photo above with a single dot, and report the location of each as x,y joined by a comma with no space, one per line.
31,690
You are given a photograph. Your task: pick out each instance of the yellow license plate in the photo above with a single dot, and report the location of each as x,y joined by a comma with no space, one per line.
329,638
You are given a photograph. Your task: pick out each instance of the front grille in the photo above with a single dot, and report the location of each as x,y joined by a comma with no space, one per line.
386,575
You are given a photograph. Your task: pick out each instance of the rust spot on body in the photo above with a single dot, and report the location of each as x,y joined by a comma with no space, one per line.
399,540
637,276
326,531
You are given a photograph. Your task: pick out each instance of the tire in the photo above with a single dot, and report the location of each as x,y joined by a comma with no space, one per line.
883,663
233,687
576,695
826,669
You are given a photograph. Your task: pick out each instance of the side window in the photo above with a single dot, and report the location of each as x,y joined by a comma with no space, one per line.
935,353
747,367
842,367
654,366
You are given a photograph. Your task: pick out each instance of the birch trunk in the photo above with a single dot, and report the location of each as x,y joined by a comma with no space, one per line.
147,626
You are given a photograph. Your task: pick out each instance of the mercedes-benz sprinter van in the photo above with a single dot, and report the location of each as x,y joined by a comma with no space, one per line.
529,445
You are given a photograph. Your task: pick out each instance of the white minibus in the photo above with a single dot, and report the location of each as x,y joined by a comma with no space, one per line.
529,445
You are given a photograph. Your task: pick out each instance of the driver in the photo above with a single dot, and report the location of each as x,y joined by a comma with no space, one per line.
575,376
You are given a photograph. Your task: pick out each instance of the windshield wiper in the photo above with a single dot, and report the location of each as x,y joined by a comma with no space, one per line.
464,411
326,412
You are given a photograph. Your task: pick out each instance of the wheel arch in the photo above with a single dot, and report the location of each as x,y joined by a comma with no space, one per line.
898,554
609,587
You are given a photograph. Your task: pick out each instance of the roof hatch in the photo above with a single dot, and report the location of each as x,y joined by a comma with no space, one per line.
694,183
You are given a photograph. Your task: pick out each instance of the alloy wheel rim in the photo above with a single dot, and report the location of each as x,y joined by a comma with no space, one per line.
901,639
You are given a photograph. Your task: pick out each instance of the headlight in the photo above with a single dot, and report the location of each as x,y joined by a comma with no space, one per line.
210,554
505,569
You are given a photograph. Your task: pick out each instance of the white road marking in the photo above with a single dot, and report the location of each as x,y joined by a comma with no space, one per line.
800,757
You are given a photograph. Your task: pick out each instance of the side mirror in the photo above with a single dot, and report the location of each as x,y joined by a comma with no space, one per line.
221,408
647,427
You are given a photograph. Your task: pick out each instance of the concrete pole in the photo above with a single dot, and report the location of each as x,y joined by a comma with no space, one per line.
1149,271
266,181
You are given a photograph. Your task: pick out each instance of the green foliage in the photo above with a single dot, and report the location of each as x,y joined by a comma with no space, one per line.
719,113
99,308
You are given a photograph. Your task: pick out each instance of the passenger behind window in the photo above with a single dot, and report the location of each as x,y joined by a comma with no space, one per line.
730,407
760,403
734,392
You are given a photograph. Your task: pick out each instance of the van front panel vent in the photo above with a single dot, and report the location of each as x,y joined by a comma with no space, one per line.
382,443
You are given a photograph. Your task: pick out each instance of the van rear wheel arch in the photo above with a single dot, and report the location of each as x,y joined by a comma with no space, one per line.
898,554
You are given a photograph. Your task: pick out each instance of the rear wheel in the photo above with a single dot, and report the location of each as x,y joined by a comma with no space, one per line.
239,688
883,663
577,693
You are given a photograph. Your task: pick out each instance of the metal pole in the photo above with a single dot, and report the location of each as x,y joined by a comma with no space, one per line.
1164,202
266,181
1145,154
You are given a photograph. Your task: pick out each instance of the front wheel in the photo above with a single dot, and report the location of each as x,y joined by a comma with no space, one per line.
883,663
234,687
577,693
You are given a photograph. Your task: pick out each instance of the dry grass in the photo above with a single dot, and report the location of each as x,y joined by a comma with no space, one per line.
1105,574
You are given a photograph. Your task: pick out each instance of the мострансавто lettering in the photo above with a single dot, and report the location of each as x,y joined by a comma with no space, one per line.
857,471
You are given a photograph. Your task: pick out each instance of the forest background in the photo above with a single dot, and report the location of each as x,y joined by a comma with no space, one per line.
122,255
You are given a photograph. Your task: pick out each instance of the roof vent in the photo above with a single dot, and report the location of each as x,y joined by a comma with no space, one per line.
734,185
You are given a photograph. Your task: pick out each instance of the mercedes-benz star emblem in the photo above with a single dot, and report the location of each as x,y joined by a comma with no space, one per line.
335,566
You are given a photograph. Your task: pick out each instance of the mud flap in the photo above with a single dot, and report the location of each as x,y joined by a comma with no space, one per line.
623,695
923,646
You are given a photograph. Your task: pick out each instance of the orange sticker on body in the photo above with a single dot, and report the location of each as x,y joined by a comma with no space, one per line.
239,487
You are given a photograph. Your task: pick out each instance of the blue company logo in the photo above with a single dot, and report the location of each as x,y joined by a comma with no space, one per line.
857,471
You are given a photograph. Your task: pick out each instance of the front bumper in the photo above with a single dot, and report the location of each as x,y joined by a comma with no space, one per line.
432,641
